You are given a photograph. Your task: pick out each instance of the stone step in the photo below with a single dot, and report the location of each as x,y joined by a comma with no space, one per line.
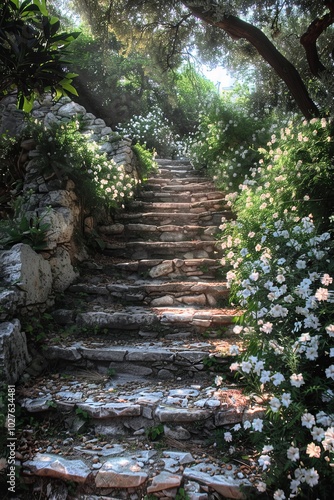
177,181
169,232
195,249
184,196
204,218
157,293
190,269
120,438
193,207
157,320
163,186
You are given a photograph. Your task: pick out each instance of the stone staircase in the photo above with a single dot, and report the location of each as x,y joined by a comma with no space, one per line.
127,406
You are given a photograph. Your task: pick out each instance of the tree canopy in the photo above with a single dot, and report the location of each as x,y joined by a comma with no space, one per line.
294,38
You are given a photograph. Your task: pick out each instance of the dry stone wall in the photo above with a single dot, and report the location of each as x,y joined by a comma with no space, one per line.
29,280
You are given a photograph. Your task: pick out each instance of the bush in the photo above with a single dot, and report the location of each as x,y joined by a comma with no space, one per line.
155,132
281,274
65,151
228,138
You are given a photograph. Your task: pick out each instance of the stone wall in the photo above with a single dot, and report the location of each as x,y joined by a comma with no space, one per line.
29,280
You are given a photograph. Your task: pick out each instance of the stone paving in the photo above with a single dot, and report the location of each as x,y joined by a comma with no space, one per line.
129,408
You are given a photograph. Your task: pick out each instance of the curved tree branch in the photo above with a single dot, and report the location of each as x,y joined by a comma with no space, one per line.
239,29
309,39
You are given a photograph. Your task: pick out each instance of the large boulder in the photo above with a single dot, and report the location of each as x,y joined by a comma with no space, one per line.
22,267
14,356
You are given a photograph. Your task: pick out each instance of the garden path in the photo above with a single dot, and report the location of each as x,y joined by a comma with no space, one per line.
128,408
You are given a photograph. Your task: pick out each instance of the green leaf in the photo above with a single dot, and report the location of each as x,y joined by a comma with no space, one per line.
69,88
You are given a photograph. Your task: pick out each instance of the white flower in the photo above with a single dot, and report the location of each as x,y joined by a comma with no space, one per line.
301,264
257,424
265,376
228,437
218,380
278,378
247,424
330,330
326,280
246,366
321,294
261,486
275,404
279,495
254,276
266,327
308,420
237,329
328,442
286,399
264,461
297,380
318,433
311,477
293,453
280,278
313,451
330,372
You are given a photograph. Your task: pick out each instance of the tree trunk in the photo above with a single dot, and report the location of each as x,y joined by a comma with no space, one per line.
238,29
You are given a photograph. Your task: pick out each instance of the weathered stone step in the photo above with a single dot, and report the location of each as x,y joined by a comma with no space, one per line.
158,293
184,196
163,218
163,319
108,450
165,249
119,407
193,207
192,269
174,181
169,232
163,186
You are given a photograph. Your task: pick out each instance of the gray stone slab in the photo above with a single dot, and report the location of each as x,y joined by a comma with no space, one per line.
121,472
48,465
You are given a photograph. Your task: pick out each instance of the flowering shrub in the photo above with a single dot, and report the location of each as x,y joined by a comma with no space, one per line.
65,150
227,140
155,132
282,274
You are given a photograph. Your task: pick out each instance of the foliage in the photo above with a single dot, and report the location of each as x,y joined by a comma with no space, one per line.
32,52
293,38
154,131
282,276
11,175
145,158
155,432
65,151
228,138
31,229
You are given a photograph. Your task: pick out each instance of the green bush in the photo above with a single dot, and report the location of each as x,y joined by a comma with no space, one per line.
281,274
65,151
155,132
227,140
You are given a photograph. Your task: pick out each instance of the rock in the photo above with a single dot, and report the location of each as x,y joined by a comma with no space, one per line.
162,269
62,270
14,355
23,267
120,472
164,481
49,465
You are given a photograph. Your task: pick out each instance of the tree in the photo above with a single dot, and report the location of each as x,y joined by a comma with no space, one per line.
169,27
32,52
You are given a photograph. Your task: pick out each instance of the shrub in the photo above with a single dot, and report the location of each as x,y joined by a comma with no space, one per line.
228,138
65,151
155,132
281,274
